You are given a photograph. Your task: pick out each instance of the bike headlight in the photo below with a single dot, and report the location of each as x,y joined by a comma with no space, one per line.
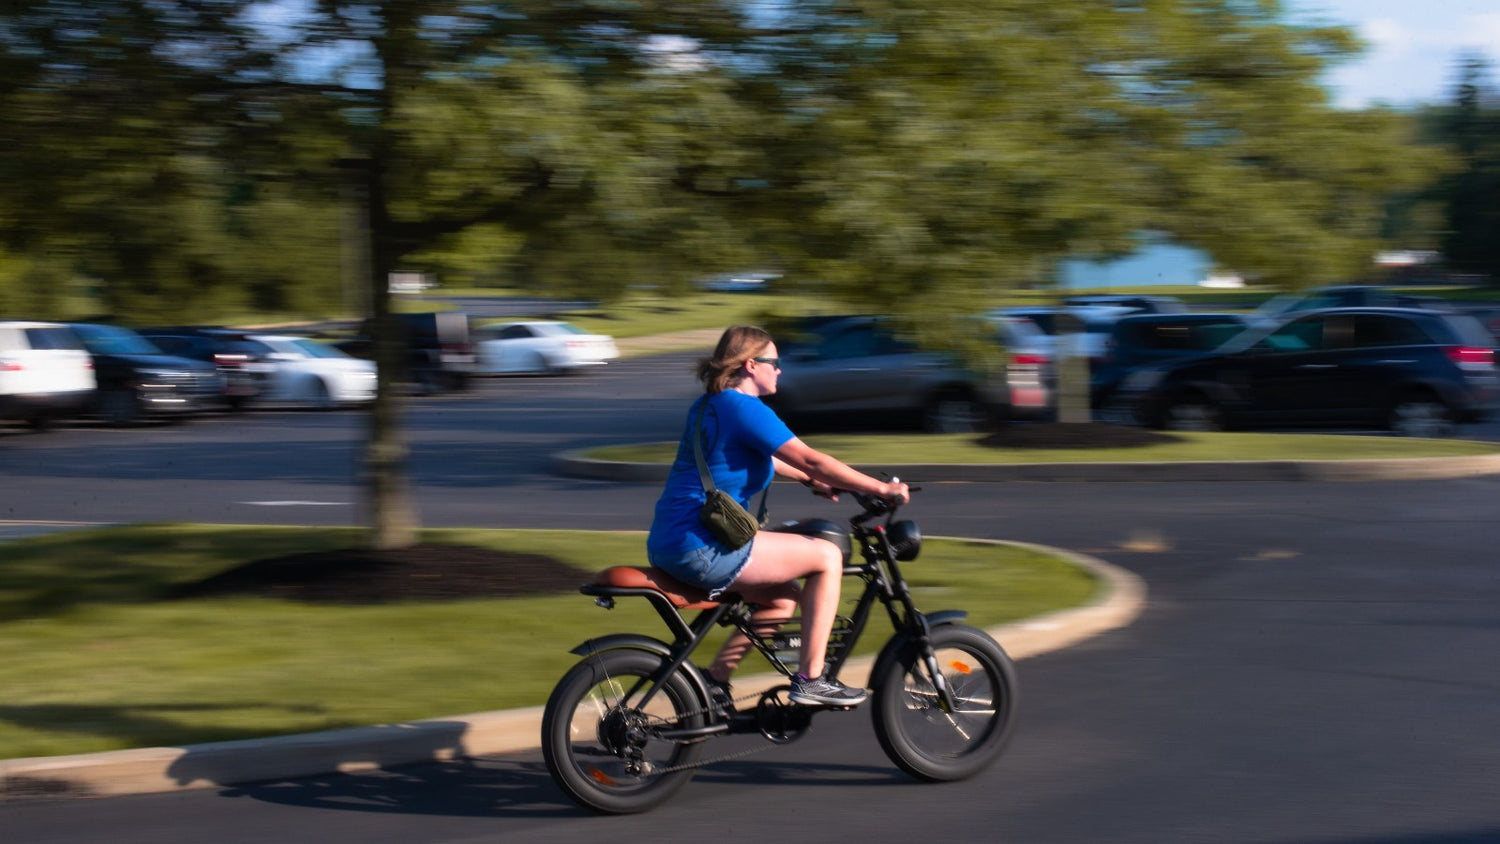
905,538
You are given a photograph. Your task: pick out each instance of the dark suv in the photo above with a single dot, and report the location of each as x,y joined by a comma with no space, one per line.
1416,371
439,349
137,380
240,358
1136,341
857,369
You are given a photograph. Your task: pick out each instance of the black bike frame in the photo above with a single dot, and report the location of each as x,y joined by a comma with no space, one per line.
883,582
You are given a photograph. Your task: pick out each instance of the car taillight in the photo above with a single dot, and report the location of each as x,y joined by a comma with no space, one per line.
1471,357
1024,359
11,366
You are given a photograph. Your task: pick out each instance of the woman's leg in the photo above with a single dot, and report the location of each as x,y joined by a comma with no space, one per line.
777,561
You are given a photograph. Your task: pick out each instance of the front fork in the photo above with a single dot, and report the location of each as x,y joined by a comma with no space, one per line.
934,672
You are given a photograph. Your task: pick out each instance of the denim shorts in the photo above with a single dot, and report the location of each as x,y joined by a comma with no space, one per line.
711,568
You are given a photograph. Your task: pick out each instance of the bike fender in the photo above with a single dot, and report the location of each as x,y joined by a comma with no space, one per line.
616,641
900,641
635,641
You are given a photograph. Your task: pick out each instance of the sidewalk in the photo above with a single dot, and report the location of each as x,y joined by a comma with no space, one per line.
158,769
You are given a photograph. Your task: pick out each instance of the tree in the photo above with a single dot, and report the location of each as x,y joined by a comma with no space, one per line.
1472,125
909,157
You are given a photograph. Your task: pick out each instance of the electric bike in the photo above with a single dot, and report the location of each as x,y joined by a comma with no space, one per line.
630,724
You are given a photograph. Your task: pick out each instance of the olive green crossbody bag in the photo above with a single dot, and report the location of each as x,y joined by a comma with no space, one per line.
721,514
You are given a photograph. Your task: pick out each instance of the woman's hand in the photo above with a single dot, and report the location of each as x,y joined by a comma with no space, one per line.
895,492
821,489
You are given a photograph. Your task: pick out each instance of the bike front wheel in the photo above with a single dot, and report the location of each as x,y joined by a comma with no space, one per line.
930,740
604,748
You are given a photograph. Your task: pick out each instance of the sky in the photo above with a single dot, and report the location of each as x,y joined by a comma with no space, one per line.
1412,46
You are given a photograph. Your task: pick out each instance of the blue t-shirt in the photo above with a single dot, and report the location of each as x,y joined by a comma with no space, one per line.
740,433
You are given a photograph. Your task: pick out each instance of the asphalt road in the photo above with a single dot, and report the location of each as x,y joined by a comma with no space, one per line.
1315,663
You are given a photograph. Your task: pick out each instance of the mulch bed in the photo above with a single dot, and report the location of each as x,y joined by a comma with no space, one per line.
420,573
446,572
1074,435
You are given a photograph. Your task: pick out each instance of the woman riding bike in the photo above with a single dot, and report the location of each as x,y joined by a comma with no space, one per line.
743,443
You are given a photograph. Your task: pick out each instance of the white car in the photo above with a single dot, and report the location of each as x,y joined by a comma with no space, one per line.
45,373
307,372
545,346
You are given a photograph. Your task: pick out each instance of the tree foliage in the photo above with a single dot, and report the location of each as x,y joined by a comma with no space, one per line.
200,157
1471,125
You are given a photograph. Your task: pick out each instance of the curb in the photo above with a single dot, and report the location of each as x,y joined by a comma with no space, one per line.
213,765
576,465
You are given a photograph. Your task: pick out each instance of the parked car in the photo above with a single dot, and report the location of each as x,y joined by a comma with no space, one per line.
1084,327
1344,296
45,373
859,369
756,281
1140,339
1036,356
138,381
1415,371
1030,375
1136,304
539,346
438,349
240,358
306,372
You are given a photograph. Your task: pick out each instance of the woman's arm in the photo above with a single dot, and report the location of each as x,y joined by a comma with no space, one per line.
801,462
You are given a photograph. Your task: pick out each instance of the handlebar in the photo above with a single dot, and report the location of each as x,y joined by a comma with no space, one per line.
875,506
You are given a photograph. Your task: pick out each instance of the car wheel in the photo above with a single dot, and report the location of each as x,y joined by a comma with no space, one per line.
1193,413
319,396
954,413
1421,415
120,408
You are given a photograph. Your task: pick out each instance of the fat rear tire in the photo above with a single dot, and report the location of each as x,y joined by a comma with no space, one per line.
589,728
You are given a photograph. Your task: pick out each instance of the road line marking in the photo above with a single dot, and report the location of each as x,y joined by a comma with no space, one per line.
296,503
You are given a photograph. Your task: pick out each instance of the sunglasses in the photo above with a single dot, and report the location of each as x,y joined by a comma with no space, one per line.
775,362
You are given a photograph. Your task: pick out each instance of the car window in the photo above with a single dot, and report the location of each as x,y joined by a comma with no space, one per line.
1298,336
52,337
1185,337
514,332
860,341
312,348
1387,330
171,345
254,348
109,340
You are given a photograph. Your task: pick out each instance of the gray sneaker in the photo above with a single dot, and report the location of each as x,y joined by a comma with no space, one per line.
820,691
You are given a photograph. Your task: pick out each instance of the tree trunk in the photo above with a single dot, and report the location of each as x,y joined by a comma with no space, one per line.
392,517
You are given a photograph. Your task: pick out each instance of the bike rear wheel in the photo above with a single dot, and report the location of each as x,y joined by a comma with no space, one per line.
603,749
919,734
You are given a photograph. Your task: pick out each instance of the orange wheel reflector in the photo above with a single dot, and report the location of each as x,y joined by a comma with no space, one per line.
601,777
960,667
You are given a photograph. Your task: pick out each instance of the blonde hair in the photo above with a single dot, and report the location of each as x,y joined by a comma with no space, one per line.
737,344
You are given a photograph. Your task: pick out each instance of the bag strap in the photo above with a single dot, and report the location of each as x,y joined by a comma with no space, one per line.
703,474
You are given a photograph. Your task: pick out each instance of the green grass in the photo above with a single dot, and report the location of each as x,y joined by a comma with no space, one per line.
1188,446
97,660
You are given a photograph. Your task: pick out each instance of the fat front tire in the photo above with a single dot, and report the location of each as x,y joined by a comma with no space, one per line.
929,741
602,748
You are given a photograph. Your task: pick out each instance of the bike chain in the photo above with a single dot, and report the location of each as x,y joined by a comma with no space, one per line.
728,756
